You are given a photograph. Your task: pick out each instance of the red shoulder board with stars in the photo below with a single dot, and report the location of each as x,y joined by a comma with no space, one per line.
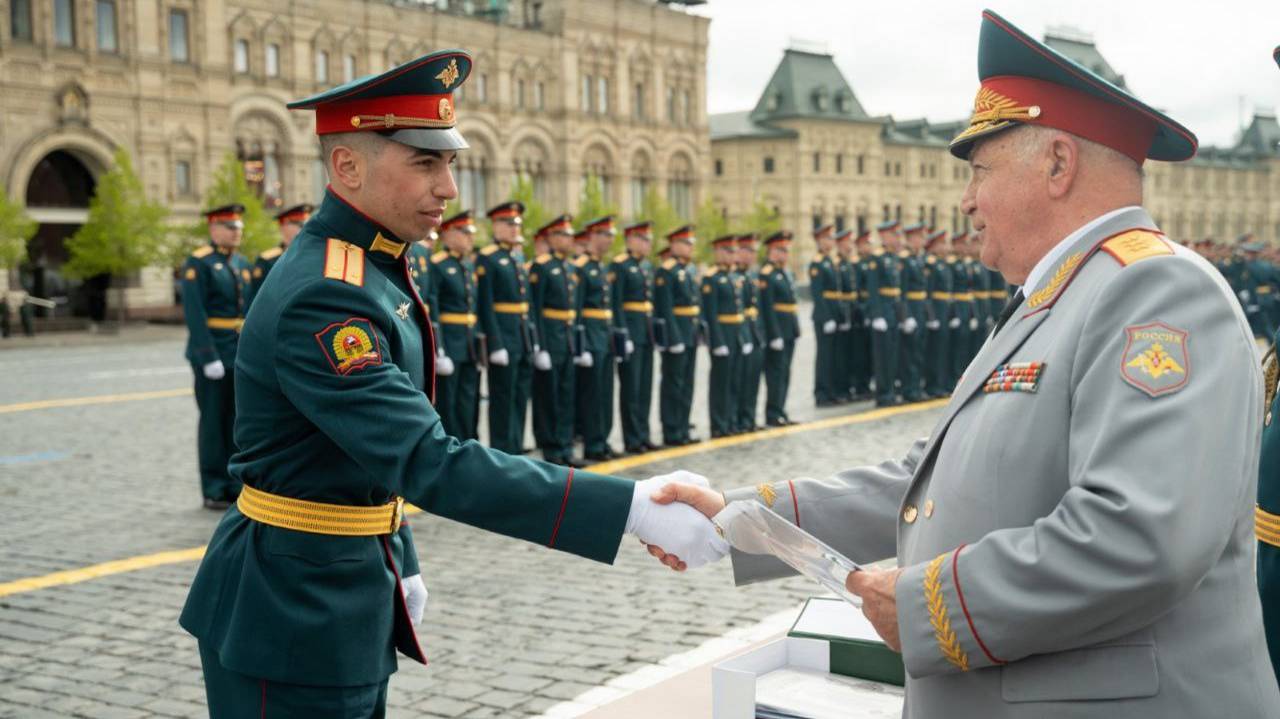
350,345
1155,358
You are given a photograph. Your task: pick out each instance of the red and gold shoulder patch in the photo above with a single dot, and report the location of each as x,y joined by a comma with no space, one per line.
1129,247
350,345
1155,358
344,261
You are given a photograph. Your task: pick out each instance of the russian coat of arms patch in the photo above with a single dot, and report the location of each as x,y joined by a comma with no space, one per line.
1155,358
350,345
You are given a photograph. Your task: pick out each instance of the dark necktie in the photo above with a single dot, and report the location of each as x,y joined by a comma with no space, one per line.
1008,310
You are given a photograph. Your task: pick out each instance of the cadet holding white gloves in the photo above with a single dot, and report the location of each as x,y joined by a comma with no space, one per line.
216,281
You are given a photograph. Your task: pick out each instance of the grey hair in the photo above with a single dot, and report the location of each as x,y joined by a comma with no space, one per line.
1030,139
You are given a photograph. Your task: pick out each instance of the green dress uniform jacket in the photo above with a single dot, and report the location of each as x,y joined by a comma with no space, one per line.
216,289
261,268
722,311
336,408
502,303
631,278
1084,549
778,309
824,284
884,302
1267,513
594,384
676,314
453,307
419,261
1257,297
553,287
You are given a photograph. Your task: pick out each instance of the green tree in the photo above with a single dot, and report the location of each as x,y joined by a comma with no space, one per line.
535,213
16,230
762,220
655,208
709,225
229,186
593,204
125,231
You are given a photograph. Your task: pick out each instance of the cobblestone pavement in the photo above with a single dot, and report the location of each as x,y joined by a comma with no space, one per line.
511,628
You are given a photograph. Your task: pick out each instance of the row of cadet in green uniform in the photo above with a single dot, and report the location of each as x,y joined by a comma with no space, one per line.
1252,269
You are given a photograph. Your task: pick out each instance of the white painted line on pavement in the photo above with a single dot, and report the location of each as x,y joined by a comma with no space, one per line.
140,372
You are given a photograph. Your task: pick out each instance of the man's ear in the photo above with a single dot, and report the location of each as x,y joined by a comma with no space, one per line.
1064,163
347,167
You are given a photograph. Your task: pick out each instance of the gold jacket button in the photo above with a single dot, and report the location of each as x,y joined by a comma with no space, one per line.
928,509
909,514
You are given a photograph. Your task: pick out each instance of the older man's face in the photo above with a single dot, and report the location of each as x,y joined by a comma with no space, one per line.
1004,198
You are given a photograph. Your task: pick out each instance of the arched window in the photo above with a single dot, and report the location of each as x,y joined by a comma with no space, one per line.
680,185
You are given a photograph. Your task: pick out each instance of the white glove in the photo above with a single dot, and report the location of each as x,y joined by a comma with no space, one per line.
933,325
746,348
678,528
908,326
500,358
542,360
973,324
584,360
629,347
954,323
415,597
1243,295
829,327
846,326
677,348
215,370
721,351
991,322
880,325
444,365
777,344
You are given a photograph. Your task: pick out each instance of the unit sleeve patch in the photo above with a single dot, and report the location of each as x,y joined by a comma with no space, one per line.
350,345
1155,359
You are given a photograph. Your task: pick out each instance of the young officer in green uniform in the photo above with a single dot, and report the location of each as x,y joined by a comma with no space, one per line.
824,284
676,312
752,366
290,221
299,604
722,311
915,305
941,324
502,303
1267,517
781,326
884,309
215,293
453,307
553,286
631,277
1255,292
860,339
594,384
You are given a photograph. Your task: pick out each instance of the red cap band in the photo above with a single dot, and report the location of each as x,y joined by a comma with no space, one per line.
386,113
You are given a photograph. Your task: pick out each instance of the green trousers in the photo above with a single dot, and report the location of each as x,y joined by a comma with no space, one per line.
825,365
750,368
859,351
506,413
635,398
557,407
672,390
911,363
457,400
723,404
884,357
594,392
232,695
777,379
937,355
216,400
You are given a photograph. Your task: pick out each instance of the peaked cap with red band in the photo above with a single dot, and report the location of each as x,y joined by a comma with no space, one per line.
297,213
747,241
1024,81
639,228
226,213
603,224
781,237
562,224
461,221
846,235
864,237
412,103
729,241
823,231
681,234
513,211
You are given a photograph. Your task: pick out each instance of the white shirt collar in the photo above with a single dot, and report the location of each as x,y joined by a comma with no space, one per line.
1051,258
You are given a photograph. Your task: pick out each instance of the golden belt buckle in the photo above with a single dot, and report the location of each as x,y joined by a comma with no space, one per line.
398,516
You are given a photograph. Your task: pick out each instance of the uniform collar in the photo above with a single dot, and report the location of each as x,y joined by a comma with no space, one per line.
1051,258
339,219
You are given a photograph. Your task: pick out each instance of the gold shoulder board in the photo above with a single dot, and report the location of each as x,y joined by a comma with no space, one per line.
1129,247
344,261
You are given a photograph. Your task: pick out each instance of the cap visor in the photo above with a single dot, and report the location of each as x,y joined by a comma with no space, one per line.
427,139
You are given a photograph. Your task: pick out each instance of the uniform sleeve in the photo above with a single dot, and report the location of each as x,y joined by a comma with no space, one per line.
484,305
875,306
854,511
768,296
710,310
409,553
373,412
433,302
1156,487
194,276
664,304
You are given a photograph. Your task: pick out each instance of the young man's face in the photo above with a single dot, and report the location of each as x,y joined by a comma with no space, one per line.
724,255
778,254
458,240
288,231
405,189
639,245
226,235
891,241
507,231
682,250
561,242
746,256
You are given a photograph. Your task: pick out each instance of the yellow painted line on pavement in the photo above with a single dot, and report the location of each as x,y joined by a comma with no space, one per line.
147,561
95,399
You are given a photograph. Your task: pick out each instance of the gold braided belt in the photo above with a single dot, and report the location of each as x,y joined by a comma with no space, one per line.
320,517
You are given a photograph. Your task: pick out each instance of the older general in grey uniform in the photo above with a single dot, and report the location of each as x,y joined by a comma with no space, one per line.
1075,538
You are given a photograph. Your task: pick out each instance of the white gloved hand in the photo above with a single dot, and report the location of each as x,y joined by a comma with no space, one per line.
829,327
973,324
746,348
215,370
678,528
908,326
500,358
991,322
933,325
676,348
1243,295
444,365
542,360
879,324
721,351
846,326
584,360
954,323
777,344
629,347
415,597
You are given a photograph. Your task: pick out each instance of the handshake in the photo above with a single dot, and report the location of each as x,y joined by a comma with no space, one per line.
671,515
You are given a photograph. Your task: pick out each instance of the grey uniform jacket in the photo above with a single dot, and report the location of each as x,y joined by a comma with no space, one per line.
1076,536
